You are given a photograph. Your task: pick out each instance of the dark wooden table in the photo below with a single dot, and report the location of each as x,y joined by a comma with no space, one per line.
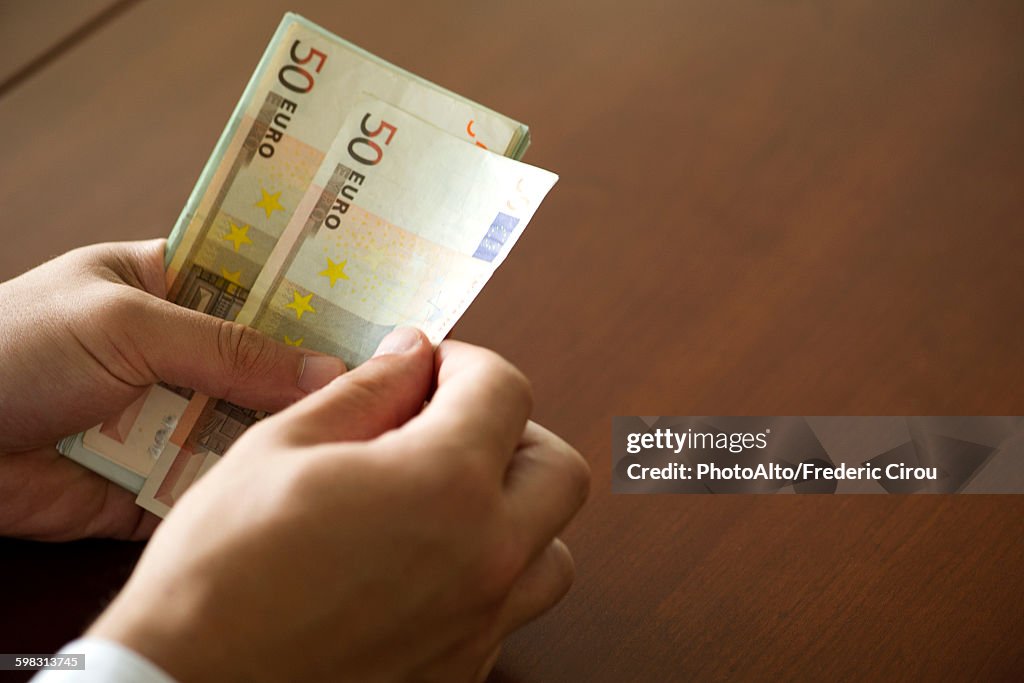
765,208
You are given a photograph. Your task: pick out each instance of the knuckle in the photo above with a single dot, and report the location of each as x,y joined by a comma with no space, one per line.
577,473
569,470
242,349
563,568
139,265
502,376
104,321
369,395
515,383
352,407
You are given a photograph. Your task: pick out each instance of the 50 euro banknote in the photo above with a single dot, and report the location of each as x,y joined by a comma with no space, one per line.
402,225
303,92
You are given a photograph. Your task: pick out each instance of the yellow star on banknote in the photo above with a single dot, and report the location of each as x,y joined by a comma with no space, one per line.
238,235
293,342
334,271
270,202
231,276
300,304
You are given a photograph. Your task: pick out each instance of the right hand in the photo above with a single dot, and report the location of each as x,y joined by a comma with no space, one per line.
359,535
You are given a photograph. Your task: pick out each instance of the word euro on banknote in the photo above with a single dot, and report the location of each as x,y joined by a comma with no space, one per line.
303,91
402,225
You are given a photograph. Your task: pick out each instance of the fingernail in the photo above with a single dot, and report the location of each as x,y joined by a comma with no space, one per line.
318,371
401,340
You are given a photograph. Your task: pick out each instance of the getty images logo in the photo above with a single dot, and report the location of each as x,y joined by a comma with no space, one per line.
668,439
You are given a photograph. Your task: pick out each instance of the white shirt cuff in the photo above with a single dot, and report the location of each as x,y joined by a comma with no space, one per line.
105,662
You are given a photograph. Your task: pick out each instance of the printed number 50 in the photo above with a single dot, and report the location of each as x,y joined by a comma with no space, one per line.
374,151
296,78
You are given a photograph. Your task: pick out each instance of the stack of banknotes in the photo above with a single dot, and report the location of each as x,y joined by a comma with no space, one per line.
346,197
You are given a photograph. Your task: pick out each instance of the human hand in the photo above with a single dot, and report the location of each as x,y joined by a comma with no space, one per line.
83,336
354,537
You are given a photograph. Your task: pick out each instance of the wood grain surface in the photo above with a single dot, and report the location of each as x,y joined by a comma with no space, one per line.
33,33
780,208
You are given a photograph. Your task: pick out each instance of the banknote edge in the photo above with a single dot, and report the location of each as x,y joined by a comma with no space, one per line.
206,175
516,146
73,448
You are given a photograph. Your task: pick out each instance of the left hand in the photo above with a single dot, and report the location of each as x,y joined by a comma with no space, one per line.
82,337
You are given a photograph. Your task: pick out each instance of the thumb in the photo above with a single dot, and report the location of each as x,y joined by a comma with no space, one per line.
381,394
225,359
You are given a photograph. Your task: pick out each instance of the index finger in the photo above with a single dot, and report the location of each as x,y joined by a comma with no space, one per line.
481,399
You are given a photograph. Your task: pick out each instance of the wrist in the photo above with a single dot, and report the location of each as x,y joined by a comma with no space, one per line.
168,629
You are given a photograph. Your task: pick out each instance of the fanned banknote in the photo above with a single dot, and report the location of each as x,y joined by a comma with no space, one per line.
404,231
346,193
